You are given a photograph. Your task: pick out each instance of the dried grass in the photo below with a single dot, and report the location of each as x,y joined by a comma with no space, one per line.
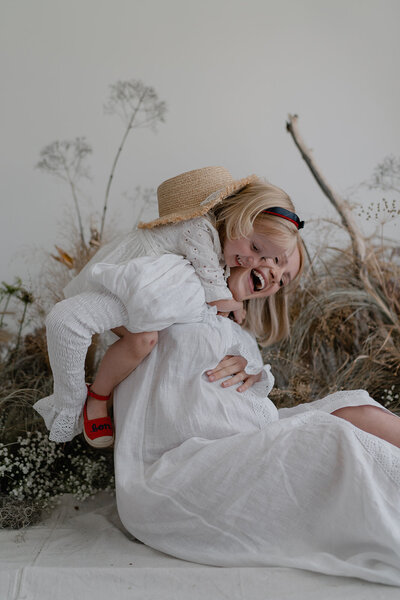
346,331
18,514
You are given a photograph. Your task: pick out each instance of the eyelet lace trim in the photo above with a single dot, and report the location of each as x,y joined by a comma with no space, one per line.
244,344
382,452
263,407
63,424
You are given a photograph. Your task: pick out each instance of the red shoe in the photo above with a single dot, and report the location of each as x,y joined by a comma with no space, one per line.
98,433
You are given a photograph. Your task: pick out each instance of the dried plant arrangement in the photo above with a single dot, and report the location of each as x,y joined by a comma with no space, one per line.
346,315
33,470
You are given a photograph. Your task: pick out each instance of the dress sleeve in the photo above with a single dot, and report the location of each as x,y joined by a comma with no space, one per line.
244,344
199,243
157,291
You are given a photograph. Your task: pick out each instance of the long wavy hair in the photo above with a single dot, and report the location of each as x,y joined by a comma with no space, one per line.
237,216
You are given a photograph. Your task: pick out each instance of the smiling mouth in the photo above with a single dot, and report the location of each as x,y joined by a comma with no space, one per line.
258,280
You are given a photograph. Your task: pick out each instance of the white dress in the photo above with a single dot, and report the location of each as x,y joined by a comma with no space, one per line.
195,239
91,308
214,476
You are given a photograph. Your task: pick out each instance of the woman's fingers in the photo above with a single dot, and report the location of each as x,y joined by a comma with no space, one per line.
234,379
229,365
249,381
233,366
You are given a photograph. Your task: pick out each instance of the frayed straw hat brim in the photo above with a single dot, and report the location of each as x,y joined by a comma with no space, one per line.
182,213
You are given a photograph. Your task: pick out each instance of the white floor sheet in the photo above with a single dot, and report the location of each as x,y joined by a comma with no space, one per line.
81,551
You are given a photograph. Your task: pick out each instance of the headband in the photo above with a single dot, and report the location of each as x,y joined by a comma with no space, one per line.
285,214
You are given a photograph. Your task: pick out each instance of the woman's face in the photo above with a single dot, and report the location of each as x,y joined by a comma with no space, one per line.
265,280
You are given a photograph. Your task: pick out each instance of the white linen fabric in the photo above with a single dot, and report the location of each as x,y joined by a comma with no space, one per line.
70,326
204,475
214,476
81,551
196,240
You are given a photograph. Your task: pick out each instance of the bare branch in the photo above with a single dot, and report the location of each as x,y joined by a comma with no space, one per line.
347,218
342,207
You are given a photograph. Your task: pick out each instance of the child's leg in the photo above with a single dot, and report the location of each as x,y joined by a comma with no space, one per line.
118,362
374,420
70,326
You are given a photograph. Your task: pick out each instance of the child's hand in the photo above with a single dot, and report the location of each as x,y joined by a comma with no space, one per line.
239,315
235,366
224,307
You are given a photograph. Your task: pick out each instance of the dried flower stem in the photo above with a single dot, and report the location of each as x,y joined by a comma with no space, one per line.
21,324
76,203
110,179
4,312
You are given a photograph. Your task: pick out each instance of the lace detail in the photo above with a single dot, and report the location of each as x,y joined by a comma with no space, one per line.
382,453
265,410
70,326
199,243
63,424
244,344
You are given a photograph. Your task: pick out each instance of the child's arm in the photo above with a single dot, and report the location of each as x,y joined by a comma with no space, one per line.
200,245
224,307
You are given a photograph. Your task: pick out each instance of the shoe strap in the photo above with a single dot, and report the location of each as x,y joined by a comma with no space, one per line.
97,396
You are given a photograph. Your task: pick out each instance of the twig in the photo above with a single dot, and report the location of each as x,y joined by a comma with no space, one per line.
346,215
340,205
76,203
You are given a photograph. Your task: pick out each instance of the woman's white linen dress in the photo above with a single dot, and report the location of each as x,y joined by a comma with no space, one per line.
219,477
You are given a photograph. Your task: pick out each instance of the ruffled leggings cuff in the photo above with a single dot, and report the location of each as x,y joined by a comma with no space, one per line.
63,424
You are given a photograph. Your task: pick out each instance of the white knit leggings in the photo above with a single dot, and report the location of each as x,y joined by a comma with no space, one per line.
70,326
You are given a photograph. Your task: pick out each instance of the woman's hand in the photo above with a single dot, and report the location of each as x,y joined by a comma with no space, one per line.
234,366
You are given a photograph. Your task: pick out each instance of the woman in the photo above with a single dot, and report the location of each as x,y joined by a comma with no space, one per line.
213,476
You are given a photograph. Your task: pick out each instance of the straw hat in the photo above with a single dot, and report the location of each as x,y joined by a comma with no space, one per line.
194,193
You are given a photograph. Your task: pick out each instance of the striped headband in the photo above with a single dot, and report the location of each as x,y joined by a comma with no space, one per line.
276,211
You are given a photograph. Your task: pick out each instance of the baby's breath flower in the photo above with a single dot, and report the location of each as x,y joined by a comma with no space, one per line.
37,470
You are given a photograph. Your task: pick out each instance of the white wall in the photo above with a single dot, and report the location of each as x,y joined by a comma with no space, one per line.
229,70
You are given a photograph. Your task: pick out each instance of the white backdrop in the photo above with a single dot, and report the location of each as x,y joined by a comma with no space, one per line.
229,70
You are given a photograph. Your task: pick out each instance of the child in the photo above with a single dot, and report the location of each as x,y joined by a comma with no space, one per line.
199,211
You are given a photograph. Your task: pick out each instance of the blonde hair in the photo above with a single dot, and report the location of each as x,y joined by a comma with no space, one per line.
236,216
268,318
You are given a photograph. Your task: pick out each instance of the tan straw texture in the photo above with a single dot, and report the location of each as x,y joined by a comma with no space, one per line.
194,193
